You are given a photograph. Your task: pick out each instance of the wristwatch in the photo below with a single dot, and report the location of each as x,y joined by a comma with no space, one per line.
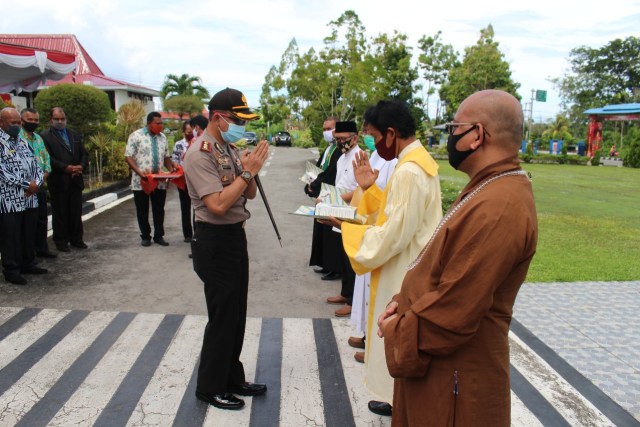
246,175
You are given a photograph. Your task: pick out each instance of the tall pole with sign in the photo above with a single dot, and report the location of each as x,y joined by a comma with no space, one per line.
540,96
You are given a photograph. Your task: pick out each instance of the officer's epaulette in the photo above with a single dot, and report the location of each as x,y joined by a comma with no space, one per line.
206,146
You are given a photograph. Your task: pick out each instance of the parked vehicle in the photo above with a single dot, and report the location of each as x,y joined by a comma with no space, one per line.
282,138
250,137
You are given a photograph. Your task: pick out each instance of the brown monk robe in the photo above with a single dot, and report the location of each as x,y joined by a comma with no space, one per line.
446,332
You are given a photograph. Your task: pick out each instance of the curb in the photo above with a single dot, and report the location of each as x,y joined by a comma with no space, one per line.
98,202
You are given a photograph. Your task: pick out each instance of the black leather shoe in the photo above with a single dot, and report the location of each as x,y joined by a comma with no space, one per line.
32,269
222,401
248,389
145,241
331,276
187,239
160,241
16,279
46,254
380,408
79,245
320,270
62,247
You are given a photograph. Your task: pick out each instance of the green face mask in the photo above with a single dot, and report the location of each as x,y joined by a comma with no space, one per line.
370,142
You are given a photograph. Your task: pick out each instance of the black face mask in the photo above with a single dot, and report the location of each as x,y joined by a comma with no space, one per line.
13,131
456,157
30,127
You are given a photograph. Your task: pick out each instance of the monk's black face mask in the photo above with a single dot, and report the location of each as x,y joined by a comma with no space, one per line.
456,157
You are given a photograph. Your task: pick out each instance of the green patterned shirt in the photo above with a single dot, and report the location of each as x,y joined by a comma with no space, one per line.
39,151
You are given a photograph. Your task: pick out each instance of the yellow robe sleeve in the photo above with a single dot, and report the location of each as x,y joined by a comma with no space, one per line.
370,247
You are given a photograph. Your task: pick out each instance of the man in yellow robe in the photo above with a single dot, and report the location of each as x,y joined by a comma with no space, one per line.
446,332
408,211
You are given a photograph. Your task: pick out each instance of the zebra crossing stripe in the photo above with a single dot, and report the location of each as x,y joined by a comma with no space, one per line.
14,318
596,397
47,406
265,409
160,400
61,368
337,406
91,398
541,408
302,403
123,402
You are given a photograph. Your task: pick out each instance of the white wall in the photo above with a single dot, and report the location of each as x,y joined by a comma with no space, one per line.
121,98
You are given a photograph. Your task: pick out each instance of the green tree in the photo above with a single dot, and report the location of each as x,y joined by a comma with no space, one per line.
185,85
130,117
631,150
87,108
184,105
598,77
349,73
558,129
483,67
436,60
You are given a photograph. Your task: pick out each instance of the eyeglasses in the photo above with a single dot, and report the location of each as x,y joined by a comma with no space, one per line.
451,127
234,120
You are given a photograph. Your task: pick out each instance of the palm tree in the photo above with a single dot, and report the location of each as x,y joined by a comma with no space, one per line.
558,129
183,85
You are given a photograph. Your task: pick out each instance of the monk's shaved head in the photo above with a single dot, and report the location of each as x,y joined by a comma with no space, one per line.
499,111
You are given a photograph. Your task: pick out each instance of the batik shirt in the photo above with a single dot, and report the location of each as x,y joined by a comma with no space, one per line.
149,152
179,150
18,167
39,150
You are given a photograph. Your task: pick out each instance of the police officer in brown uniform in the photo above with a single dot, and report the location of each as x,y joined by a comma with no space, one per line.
220,180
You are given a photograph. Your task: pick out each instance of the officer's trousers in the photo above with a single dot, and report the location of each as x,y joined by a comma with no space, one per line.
221,261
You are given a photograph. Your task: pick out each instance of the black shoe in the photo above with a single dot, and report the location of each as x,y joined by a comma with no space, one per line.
62,247
146,241
46,254
187,239
248,389
222,401
32,269
160,241
190,256
380,408
15,278
79,245
320,270
331,276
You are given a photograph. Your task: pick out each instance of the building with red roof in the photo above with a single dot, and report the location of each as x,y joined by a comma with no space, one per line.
87,71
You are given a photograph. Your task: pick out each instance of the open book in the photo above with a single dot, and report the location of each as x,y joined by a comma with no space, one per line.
324,210
332,204
311,173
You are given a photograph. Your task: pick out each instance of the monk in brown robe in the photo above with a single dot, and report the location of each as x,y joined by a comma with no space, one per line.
446,332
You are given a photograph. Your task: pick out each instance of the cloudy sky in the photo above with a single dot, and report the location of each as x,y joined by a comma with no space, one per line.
234,43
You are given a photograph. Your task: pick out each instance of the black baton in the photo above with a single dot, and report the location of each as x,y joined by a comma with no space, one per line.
266,205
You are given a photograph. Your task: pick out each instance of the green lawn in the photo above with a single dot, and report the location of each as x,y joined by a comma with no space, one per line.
588,218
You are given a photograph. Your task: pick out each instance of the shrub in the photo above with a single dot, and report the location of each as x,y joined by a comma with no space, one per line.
631,151
86,107
595,160
302,139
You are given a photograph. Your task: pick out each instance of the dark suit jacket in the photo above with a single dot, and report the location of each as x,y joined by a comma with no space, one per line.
62,156
328,176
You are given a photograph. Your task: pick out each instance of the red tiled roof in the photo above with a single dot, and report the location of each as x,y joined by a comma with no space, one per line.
86,69
67,43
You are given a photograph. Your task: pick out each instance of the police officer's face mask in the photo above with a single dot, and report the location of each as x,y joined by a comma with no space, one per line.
233,133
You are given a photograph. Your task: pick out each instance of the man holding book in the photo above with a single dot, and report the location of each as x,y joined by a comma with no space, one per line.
407,211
